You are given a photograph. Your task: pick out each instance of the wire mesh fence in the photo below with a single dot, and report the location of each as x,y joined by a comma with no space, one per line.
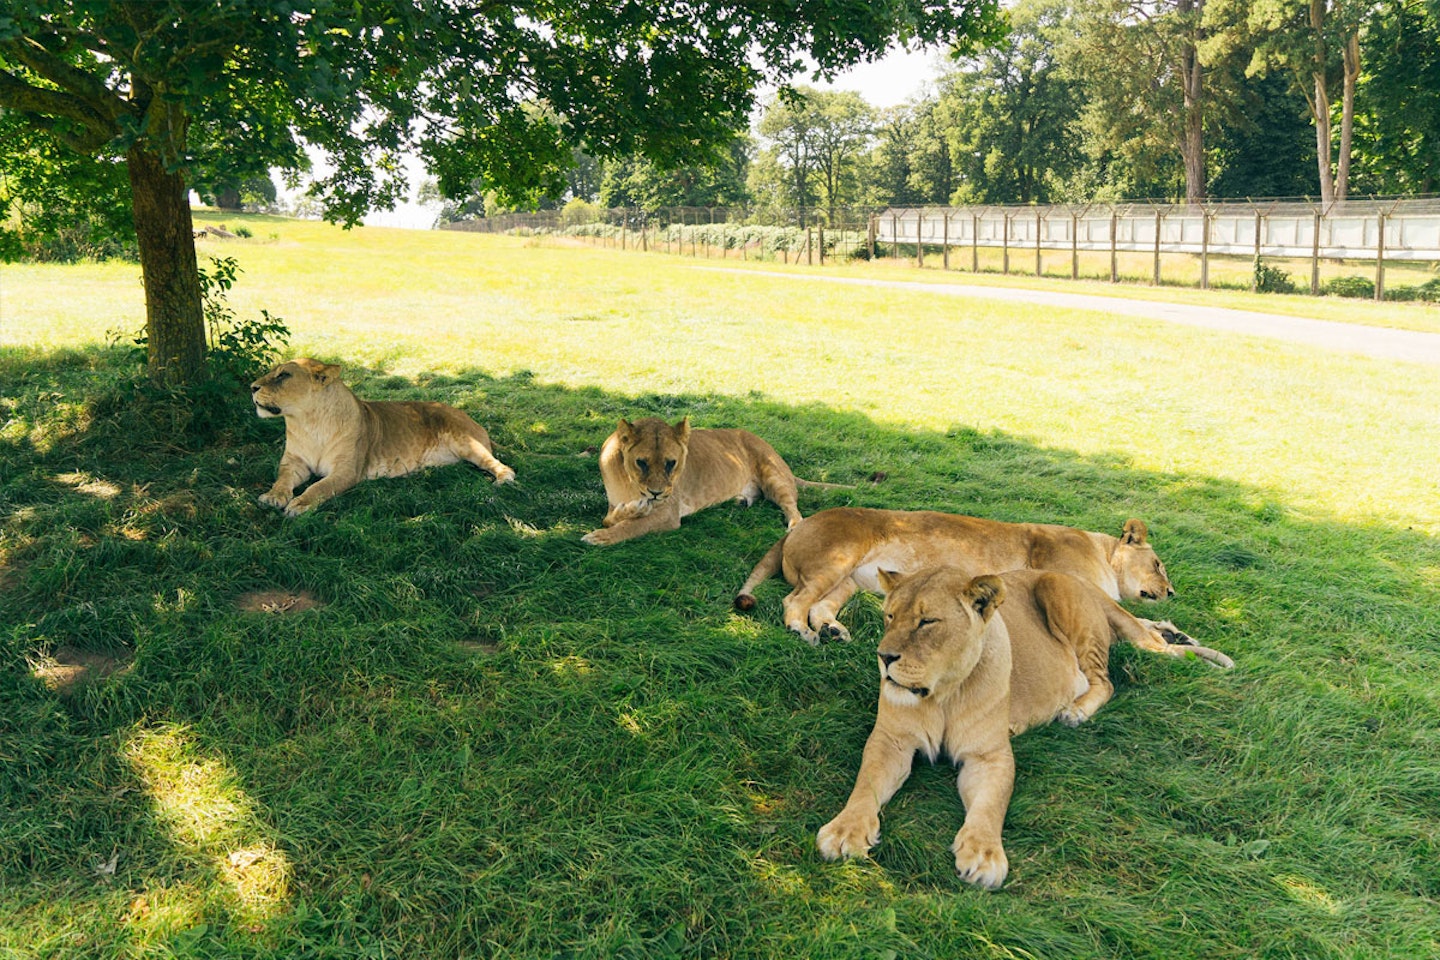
1254,243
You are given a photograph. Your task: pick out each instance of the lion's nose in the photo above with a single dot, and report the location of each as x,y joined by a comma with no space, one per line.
889,658
1169,591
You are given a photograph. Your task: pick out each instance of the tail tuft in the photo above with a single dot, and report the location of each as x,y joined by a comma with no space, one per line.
744,602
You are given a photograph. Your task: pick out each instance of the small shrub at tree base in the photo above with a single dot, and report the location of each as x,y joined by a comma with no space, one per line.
243,232
1428,292
237,352
1270,279
1349,287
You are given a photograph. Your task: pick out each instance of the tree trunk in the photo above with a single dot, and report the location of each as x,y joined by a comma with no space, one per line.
1347,113
174,321
228,198
1320,105
1192,78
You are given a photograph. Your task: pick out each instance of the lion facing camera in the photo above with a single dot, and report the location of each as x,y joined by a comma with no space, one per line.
332,434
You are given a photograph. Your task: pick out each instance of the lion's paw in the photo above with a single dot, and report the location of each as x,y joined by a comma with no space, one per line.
980,861
600,538
275,497
504,475
297,507
848,835
834,631
808,635
1072,716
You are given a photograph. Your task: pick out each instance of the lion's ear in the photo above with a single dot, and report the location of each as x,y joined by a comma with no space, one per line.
682,430
889,579
625,429
327,372
1135,532
985,594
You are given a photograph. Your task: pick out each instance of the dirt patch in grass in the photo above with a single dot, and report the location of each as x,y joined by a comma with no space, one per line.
482,648
68,667
277,601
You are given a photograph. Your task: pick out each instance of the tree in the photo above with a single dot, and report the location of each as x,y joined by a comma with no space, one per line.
1269,150
817,136
1009,113
1317,42
1397,103
638,182
364,81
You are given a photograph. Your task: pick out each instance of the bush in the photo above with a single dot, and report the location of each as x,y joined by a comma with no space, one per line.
243,232
1349,287
1270,279
1429,292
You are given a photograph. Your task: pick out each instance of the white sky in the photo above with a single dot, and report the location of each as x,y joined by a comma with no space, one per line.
891,80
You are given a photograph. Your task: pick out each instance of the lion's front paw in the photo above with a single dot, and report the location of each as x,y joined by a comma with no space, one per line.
834,630
848,835
599,538
980,861
1072,716
504,475
275,497
298,506
808,635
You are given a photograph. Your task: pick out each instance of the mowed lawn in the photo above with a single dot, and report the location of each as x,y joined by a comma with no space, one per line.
426,720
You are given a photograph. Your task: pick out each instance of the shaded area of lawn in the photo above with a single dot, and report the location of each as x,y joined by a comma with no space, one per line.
487,738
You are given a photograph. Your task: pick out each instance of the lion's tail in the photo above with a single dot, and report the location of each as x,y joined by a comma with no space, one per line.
817,485
768,566
1162,636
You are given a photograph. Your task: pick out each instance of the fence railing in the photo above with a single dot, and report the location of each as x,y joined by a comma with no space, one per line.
1392,231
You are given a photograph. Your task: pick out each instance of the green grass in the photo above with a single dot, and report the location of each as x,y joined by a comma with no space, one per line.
491,740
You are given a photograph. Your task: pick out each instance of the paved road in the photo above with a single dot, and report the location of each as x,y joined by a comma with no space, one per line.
1379,342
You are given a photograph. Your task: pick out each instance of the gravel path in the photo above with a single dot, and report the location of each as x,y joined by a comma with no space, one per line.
1379,342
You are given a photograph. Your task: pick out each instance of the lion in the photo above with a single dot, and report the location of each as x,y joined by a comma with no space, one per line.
656,473
332,434
838,551
965,664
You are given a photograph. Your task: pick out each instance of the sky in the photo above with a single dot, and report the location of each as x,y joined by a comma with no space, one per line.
889,81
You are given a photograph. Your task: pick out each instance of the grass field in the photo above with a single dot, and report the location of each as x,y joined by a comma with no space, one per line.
425,720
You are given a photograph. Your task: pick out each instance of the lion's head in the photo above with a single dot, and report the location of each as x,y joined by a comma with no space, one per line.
935,622
1138,570
289,386
652,454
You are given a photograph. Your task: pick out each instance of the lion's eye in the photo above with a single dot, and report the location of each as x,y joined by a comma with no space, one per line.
669,466
644,465
282,376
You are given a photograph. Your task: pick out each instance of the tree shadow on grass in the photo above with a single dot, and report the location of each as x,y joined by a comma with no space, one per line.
493,734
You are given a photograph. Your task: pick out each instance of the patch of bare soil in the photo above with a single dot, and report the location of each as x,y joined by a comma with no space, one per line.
68,667
277,601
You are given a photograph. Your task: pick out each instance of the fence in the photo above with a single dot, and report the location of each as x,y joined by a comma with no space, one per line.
1393,232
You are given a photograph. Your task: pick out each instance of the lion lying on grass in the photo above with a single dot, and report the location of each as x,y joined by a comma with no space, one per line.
655,473
332,434
957,678
838,551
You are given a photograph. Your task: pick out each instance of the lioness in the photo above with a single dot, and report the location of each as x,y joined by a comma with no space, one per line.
956,678
837,551
331,433
655,473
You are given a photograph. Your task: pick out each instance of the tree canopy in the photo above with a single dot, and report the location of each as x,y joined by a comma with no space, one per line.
493,92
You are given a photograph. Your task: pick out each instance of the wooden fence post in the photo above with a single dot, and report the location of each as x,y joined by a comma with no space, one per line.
1074,246
871,234
1380,259
974,243
1038,222
822,244
894,236
1315,258
919,246
809,246
1157,249
1005,246
945,241
1114,263
1205,250
1255,271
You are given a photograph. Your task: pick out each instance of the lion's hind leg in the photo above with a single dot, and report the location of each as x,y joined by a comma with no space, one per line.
778,484
474,446
1073,618
801,613
823,615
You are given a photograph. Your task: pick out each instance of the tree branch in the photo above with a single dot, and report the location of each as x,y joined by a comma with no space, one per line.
16,94
33,55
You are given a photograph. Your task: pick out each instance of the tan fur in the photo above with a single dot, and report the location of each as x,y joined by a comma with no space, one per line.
332,434
955,678
838,551
655,473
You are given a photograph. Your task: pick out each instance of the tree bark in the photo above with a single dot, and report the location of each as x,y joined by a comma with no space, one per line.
1320,106
1351,56
174,321
1192,77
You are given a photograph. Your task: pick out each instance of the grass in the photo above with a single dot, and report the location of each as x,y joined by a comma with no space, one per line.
482,738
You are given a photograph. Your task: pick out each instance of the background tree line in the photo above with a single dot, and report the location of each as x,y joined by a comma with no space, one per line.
1100,100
